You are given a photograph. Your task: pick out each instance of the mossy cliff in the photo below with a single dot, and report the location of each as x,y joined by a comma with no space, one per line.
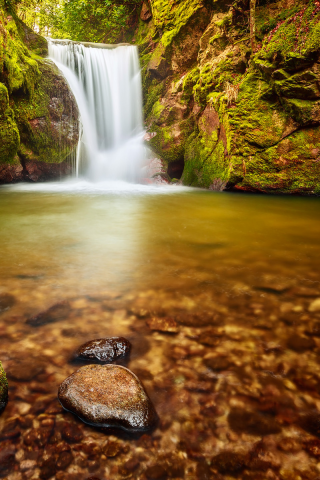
38,113
229,116
3,389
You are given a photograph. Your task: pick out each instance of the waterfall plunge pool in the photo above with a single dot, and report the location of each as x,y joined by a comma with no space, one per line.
236,387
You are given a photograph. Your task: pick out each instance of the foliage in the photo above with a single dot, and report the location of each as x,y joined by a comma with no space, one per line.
82,20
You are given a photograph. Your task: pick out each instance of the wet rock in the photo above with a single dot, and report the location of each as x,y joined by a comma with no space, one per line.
217,364
112,449
229,462
71,432
253,423
104,350
313,329
38,437
311,423
156,472
6,301
7,458
24,367
59,311
298,343
163,324
108,396
3,389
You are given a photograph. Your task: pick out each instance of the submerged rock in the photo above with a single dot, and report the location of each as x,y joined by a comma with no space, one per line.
3,389
253,423
104,350
6,301
108,396
57,312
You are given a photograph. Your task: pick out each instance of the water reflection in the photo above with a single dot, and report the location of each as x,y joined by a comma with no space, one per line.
235,278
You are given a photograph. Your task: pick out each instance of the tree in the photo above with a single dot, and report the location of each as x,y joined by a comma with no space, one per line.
253,23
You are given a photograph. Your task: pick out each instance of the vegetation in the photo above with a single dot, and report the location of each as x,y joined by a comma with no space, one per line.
84,20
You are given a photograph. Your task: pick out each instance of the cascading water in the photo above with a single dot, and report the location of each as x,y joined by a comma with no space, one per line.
106,83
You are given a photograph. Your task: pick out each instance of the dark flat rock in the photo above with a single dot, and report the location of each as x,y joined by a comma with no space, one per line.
108,396
104,350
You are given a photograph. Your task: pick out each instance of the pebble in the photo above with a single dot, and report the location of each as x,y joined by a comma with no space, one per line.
6,301
315,305
108,396
217,364
229,462
251,422
298,343
104,350
163,324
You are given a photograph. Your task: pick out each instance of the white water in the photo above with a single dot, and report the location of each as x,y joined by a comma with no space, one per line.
106,84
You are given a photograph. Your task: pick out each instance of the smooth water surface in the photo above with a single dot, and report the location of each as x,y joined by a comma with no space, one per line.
236,387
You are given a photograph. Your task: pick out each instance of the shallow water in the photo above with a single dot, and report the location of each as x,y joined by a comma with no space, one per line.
236,388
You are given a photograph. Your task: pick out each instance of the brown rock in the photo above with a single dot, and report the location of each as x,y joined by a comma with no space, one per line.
6,301
165,324
229,462
217,363
145,14
108,396
251,422
104,350
299,343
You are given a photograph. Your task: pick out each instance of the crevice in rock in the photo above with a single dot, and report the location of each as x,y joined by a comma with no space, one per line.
175,169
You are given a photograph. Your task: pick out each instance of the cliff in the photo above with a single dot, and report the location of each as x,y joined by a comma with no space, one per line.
223,116
38,113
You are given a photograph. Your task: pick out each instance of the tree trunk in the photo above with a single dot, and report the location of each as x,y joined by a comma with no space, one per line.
253,23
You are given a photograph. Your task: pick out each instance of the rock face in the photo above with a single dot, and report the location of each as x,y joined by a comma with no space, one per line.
236,119
105,350
38,113
3,389
108,396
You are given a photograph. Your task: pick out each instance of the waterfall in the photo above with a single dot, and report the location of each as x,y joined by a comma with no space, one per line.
106,83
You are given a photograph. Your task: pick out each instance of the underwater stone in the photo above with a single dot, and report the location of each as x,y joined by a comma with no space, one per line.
6,301
108,396
3,389
104,349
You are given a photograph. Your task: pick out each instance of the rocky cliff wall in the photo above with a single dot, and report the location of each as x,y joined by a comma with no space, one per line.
226,116
38,113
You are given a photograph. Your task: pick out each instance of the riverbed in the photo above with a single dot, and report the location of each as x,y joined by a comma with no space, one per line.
235,383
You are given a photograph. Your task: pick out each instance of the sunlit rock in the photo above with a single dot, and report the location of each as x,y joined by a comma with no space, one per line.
108,396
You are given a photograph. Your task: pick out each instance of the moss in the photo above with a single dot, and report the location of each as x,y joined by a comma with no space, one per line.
154,92
44,134
9,133
295,38
169,142
3,389
172,16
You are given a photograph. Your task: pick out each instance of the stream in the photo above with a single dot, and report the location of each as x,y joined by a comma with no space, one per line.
235,382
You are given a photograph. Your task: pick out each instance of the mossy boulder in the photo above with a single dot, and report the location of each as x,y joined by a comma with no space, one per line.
252,118
38,113
3,389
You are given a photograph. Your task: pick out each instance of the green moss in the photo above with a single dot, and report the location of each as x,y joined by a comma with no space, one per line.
9,133
170,141
3,389
294,39
172,16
